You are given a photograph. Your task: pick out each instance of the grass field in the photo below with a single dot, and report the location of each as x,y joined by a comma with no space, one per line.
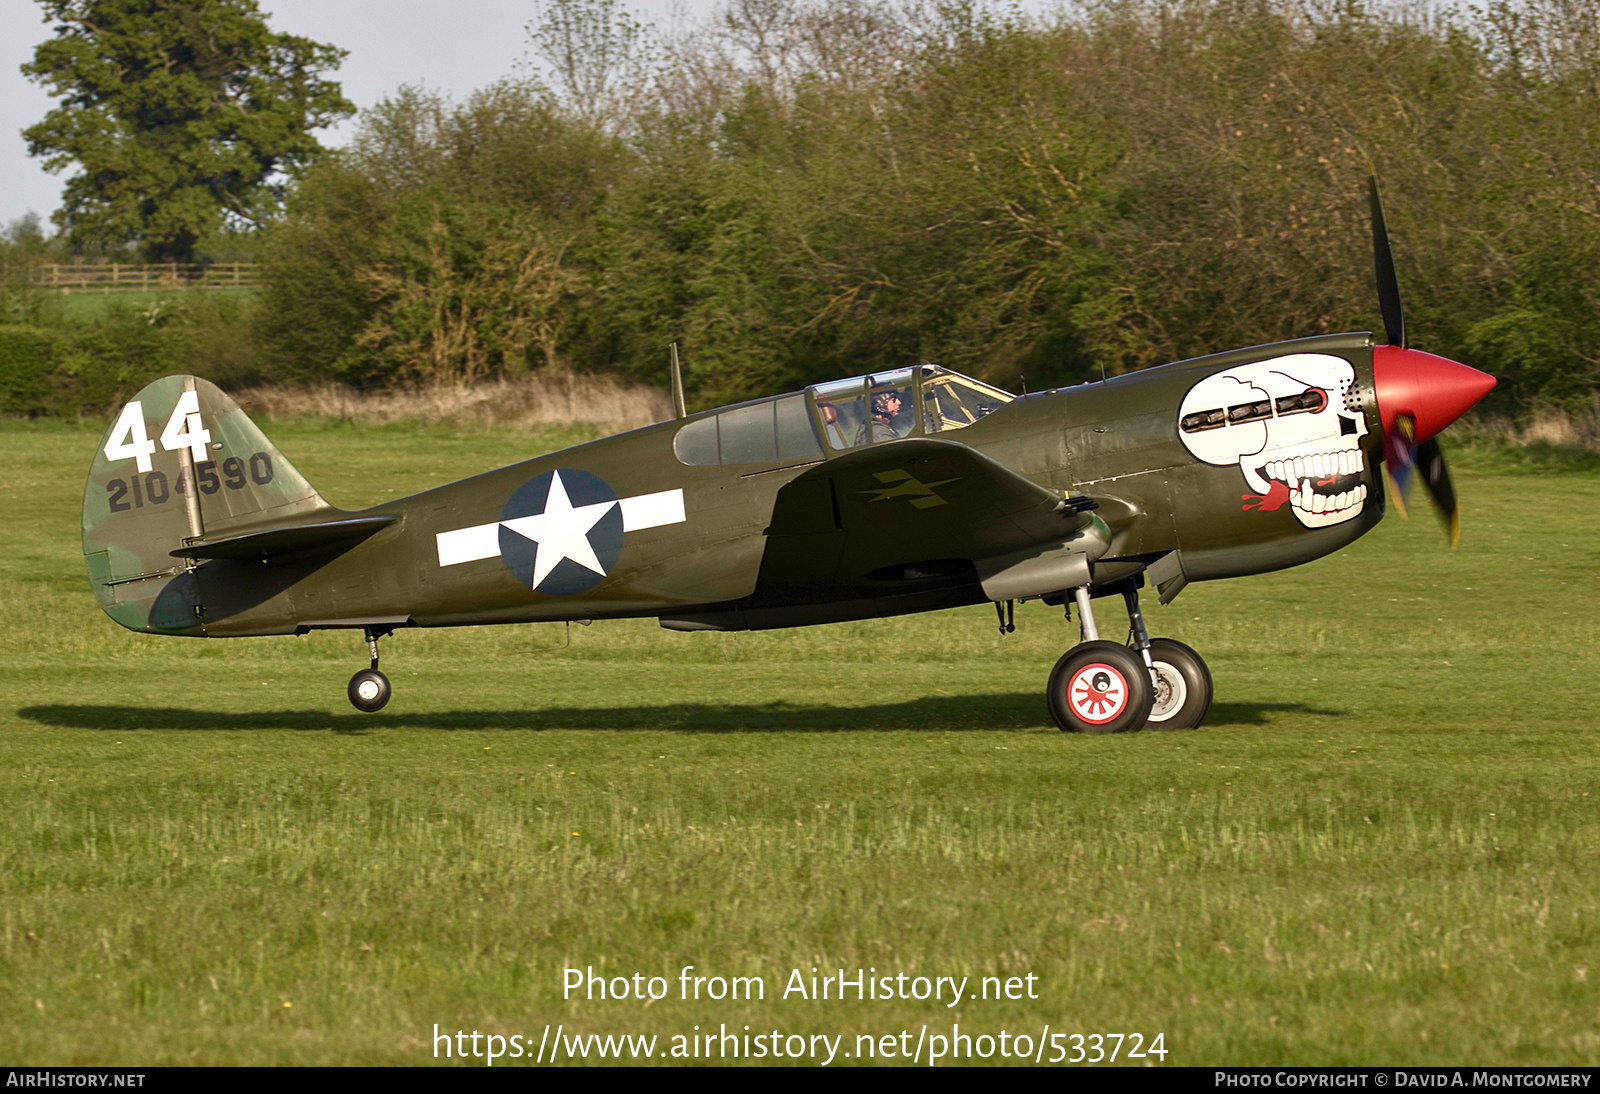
1383,847
86,306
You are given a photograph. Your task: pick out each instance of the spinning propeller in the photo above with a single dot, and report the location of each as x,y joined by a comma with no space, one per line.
1419,394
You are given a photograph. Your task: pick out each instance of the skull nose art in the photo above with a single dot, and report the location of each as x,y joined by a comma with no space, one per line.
1432,390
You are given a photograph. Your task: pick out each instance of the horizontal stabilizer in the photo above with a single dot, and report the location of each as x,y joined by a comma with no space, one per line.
278,541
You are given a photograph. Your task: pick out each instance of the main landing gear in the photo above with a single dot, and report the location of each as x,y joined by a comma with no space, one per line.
1104,687
369,689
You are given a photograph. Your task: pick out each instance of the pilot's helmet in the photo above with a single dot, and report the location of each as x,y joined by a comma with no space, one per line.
880,403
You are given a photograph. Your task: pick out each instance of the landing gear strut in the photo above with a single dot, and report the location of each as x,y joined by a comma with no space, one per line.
1098,686
369,689
1103,687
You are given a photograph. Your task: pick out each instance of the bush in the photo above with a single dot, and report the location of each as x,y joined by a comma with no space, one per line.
92,367
27,359
435,249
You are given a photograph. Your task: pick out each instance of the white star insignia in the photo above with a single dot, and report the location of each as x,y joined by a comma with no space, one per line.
561,531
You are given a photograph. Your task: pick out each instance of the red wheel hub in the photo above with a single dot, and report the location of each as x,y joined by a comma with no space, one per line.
1097,693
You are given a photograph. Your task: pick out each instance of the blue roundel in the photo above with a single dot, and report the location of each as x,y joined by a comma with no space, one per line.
573,508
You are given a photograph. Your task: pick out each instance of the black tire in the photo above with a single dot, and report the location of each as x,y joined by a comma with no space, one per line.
1182,686
369,690
1099,687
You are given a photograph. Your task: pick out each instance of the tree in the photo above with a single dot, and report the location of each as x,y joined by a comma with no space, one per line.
597,52
184,116
439,246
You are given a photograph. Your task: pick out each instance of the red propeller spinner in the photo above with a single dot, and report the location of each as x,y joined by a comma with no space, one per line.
1432,391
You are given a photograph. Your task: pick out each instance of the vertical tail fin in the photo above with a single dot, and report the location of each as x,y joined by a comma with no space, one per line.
180,465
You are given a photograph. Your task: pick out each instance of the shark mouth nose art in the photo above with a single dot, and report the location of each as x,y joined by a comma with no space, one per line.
1317,483
1293,425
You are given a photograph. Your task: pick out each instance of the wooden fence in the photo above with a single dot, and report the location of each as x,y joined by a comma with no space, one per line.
112,277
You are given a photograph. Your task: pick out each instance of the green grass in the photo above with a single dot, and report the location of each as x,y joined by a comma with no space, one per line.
88,306
1382,848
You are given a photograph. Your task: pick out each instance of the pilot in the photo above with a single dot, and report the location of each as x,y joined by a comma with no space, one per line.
885,407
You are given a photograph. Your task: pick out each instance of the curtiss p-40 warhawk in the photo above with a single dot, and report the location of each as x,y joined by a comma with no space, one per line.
903,491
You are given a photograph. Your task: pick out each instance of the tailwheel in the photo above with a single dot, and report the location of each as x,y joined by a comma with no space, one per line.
1100,687
1182,686
370,690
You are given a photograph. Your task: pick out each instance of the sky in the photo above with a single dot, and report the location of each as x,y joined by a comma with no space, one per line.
453,47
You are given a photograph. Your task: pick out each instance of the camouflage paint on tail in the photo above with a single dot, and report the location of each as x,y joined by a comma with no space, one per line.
181,464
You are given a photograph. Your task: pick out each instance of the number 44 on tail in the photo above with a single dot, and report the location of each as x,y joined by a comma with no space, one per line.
129,441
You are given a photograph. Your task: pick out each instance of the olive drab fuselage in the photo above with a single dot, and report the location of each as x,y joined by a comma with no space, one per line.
1132,474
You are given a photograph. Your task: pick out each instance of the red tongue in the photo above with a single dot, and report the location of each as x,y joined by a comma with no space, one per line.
1432,390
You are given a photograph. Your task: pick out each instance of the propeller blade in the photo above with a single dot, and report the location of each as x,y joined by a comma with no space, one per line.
1405,460
1399,461
1394,320
1436,480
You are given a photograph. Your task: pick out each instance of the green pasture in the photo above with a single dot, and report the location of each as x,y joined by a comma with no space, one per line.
1383,847
88,306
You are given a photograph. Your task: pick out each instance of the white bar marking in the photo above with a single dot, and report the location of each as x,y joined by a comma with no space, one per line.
652,510
483,540
469,544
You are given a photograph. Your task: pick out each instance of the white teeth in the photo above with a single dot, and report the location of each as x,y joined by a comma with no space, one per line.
1302,474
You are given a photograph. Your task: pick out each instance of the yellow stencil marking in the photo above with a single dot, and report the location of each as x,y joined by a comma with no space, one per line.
903,484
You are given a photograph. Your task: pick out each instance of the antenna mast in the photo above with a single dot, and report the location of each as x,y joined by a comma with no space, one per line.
677,384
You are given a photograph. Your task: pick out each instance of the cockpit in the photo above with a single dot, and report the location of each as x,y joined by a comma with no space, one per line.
841,414
907,402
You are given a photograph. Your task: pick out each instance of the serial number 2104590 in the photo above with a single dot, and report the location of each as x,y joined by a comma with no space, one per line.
153,487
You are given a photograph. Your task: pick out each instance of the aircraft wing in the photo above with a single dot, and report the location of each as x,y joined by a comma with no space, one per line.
859,516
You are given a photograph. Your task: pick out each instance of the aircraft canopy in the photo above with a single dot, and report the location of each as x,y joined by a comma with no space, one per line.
905,402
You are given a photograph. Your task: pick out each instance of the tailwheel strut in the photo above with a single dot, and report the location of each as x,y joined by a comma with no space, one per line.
369,689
